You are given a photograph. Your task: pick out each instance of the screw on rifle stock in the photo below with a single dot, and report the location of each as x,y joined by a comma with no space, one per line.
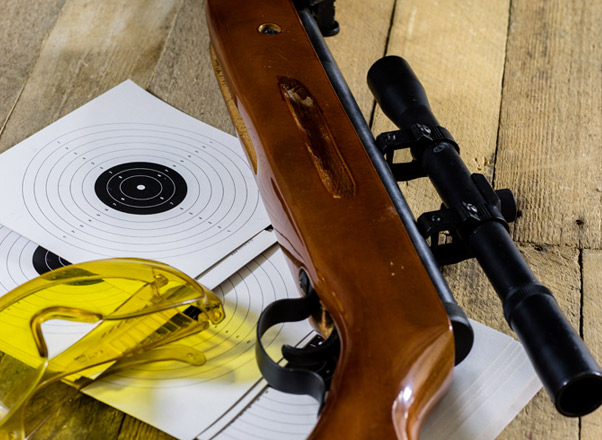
304,282
269,29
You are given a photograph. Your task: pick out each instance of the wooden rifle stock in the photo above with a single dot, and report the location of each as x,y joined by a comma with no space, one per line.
334,221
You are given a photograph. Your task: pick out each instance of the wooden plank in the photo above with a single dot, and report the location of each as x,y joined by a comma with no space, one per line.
457,51
78,417
361,41
135,429
551,125
93,47
22,34
551,91
184,77
591,425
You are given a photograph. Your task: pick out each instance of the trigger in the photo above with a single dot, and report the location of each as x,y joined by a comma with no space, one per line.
317,352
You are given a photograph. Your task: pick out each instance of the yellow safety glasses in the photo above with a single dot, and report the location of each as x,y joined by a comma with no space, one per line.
137,307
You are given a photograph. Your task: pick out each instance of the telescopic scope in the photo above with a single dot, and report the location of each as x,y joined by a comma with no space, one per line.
565,366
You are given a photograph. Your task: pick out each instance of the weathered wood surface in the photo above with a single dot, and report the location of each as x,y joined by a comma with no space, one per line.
518,83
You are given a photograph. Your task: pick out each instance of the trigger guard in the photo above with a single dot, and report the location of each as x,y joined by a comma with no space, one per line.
290,379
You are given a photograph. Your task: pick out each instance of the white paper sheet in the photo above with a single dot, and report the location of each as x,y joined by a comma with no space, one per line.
127,175
488,390
231,263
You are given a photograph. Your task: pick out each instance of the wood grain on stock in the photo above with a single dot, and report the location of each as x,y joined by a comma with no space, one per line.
58,54
320,189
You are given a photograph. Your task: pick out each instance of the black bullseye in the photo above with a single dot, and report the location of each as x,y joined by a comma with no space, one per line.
141,188
44,261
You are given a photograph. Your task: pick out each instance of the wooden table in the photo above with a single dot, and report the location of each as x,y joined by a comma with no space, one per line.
518,83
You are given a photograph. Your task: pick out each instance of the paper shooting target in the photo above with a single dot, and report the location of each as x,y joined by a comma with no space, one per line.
143,190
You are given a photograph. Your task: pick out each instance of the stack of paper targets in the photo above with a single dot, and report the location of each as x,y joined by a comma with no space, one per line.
126,175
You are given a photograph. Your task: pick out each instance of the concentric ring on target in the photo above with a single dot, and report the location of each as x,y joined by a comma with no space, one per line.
44,261
141,188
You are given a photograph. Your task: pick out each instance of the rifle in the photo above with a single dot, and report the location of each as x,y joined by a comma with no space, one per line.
367,275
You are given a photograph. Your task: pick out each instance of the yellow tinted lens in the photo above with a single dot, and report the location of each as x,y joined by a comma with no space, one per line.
138,305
